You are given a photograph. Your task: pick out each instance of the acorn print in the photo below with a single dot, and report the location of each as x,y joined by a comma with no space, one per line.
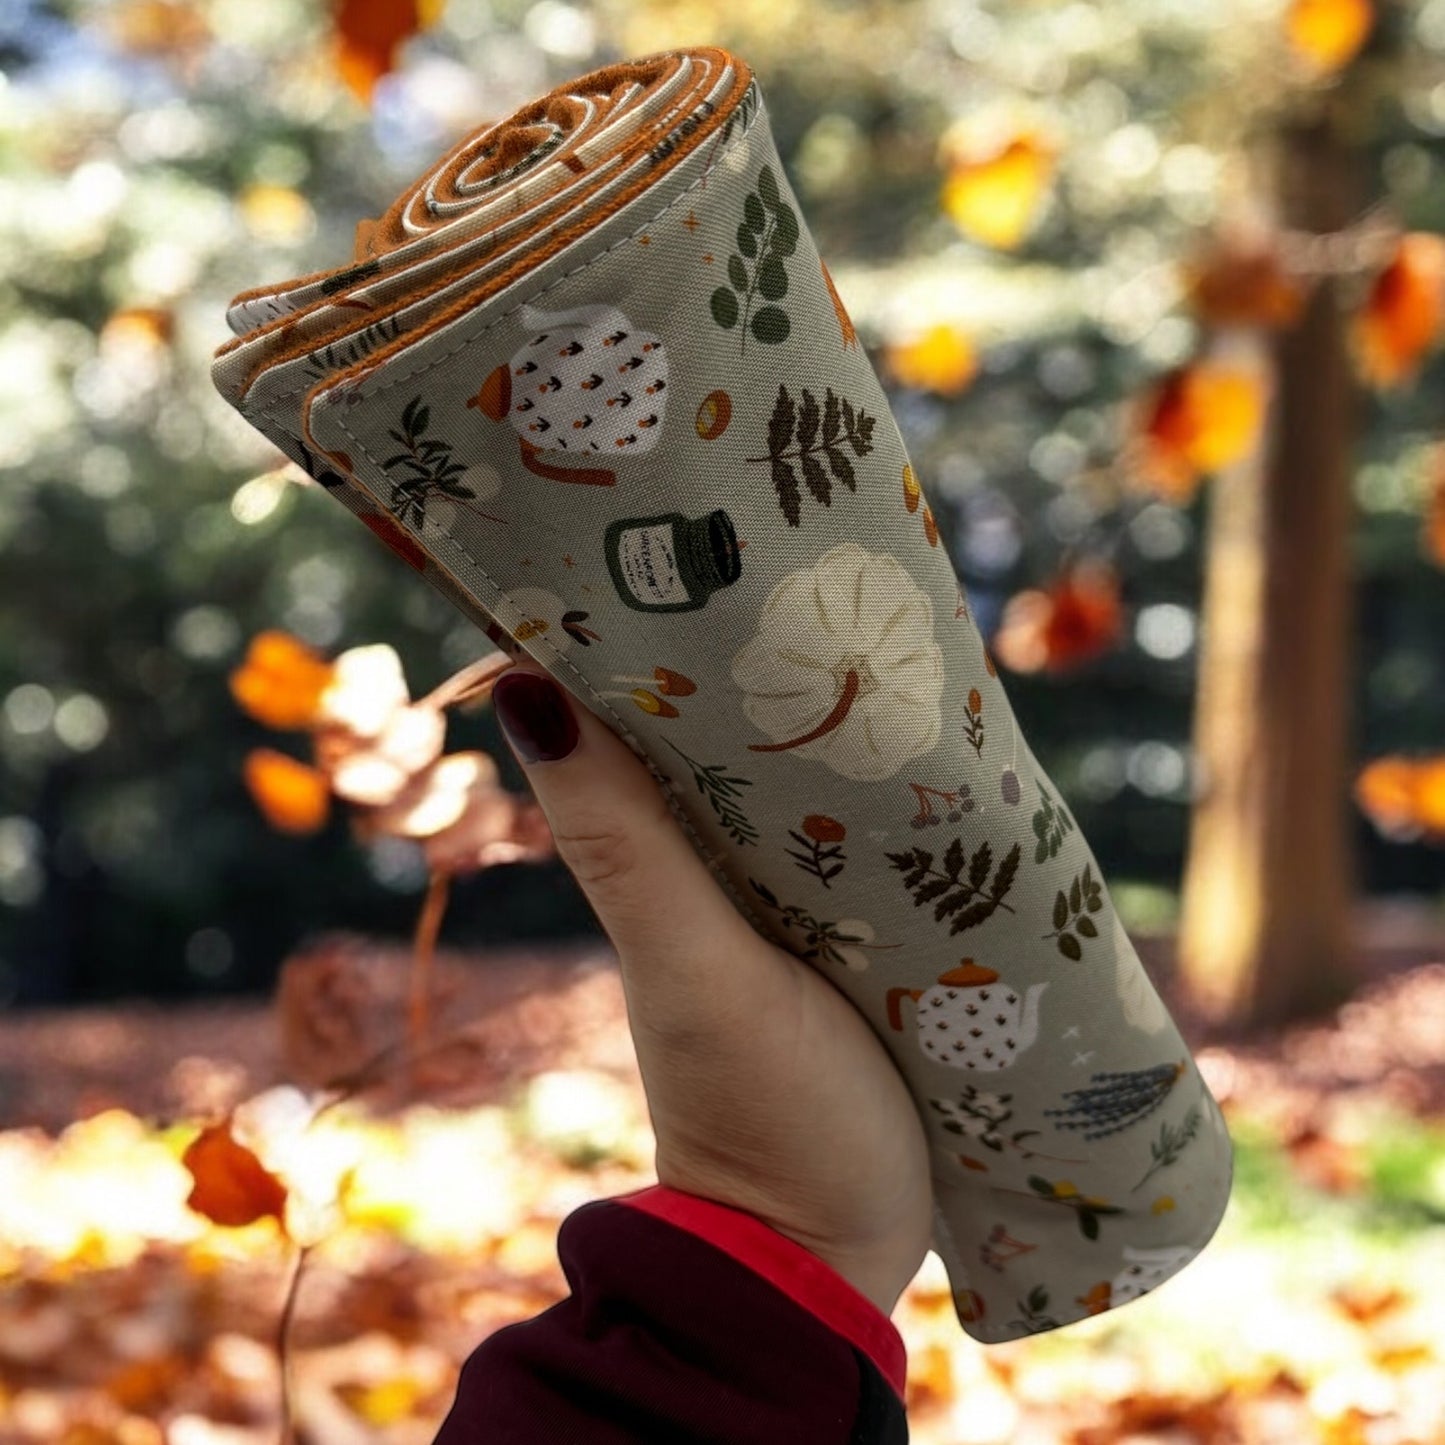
966,1023
912,496
544,614
587,382
714,415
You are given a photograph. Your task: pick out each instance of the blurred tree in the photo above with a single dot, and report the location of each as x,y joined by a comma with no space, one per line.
1266,930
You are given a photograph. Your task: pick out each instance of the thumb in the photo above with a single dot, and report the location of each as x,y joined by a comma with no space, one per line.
691,963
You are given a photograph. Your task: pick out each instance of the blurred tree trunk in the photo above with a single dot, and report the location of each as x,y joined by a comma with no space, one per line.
1270,878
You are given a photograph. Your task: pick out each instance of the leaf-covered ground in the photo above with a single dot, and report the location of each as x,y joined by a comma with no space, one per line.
126,1319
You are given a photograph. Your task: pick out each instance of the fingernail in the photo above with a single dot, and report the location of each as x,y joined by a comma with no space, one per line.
535,716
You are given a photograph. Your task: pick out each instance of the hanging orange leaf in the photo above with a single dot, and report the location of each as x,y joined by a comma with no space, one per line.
1328,34
1404,797
281,681
164,28
1078,617
370,32
1405,313
138,328
1243,287
941,359
996,198
232,1186
1199,418
294,797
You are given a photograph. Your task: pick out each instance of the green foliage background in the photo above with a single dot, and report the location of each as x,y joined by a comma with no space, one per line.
137,564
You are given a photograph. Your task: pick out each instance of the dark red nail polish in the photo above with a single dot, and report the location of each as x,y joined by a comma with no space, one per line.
535,716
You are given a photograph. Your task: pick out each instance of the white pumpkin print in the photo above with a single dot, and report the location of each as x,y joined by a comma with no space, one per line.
969,1020
587,382
1146,1269
844,668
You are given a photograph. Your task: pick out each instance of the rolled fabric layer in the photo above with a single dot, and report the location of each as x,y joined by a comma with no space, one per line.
590,377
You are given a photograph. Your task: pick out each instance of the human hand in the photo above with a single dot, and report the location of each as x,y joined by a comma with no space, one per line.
768,1090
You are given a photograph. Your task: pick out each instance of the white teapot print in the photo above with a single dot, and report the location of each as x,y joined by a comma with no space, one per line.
588,381
1145,1269
967,1024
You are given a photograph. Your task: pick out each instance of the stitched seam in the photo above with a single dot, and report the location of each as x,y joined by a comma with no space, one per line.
664,782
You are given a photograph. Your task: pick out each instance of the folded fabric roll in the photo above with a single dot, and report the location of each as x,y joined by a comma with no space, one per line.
590,377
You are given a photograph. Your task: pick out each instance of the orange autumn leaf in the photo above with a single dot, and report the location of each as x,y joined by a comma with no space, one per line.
164,28
139,326
941,359
1404,797
1405,313
232,1186
294,797
1077,617
996,198
1238,287
1086,617
1199,418
281,681
1328,34
370,32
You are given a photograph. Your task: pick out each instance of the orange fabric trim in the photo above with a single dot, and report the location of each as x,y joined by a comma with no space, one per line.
379,238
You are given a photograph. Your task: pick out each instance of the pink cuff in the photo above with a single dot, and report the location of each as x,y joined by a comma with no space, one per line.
787,1265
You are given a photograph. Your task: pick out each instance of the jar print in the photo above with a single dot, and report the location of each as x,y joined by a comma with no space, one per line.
672,563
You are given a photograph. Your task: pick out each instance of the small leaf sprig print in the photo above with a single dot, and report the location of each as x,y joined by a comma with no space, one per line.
949,887
801,430
978,1114
973,728
432,467
720,789
339,355
821,836
767,236
1084,897
1032,1308
839,941
1171,1143
1087,1207
1051,822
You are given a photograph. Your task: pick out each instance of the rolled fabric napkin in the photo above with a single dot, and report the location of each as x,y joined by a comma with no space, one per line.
591,378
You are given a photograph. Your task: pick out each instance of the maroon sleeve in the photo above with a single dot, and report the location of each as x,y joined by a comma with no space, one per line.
688,1322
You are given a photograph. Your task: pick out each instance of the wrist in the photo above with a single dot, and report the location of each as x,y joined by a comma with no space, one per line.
879,1284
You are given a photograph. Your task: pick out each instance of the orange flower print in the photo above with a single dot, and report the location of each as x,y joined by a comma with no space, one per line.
820,836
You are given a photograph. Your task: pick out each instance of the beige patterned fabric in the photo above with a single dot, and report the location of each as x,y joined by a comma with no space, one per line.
592,379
